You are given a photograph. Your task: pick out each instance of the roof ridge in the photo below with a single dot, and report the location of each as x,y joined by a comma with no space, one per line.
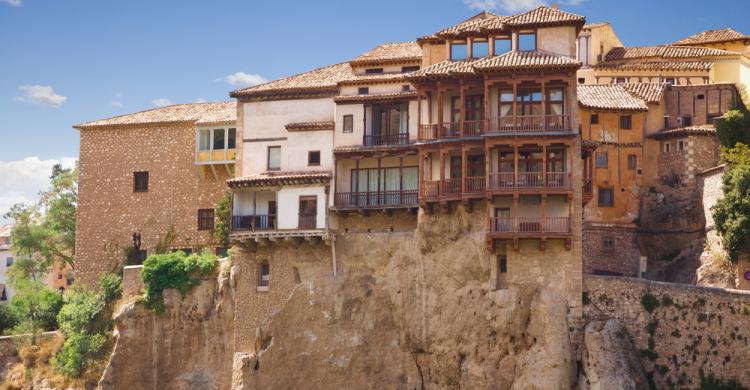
247,89
150,110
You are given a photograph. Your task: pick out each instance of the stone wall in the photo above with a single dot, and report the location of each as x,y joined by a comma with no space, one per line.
690,328
680,167
132,284
109,211
623,257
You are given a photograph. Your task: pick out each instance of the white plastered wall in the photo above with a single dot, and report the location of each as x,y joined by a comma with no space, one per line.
288,205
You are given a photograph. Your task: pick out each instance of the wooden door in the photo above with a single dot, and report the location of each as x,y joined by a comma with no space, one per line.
308,212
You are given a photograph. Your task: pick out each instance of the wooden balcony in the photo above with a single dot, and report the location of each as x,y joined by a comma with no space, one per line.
253,222
519,227
587,194
498,125
375,140
375,200
509,181
307,221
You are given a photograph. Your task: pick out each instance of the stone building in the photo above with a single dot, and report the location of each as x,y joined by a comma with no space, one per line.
156,174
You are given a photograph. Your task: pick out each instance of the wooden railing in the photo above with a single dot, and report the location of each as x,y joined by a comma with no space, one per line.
474,128
475,184
253,222
386,139
307,221
431,188
451,186
363,200
508,180
510,124
530,225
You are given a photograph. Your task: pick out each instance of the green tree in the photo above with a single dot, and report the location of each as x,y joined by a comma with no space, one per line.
111,287
732,212
84,320
174,270
732,128
223,222
35,307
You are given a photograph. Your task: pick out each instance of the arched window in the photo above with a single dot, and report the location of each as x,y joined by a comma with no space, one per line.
264,274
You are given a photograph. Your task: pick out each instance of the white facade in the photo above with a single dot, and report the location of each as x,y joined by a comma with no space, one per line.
6,259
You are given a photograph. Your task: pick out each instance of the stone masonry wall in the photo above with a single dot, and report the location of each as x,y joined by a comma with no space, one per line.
622,258
690,328
108,209
681,167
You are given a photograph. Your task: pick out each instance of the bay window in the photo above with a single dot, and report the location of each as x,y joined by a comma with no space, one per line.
502,45
458,51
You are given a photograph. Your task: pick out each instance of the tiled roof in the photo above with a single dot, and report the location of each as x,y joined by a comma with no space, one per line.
321,80
389,53
361,150
270,179
487,21
685,131
665,52
374,78
200,113
658,65
589,26
609,97
712,36
514,60
542,16
375,97
475,24
650,92
310,126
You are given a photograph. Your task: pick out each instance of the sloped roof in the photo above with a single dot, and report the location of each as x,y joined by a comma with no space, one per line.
310,126
685,131
374,78
712,36
589,26
544,16
609,97
658,65
375,97
271,179
200,113
665,52
510,61
321,80
389,53
487,22
649,92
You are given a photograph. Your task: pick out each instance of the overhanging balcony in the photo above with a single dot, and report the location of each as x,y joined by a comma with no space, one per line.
510,181
386,139
498,125
519,227
376,200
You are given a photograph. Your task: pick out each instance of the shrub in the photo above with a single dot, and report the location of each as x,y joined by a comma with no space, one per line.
7,319
649,302
732,128
732,212
78,349
111,287
84,320
666,300
35,307
174,270
81,313
223,221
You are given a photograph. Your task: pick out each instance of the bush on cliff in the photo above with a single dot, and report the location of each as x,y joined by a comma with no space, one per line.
732,212
732,128
111,287
223,220
174,270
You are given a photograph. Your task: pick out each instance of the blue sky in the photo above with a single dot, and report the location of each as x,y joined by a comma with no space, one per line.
64,62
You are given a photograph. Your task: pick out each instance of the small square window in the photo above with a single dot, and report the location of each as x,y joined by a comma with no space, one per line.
581,80
606,197
594,119
700,97
458,51
313,158
140,181
620,80
348,123
632,162
274,158
374,71
409,69
608,243
601,160
206,219
680,145
405,88
363,90
626,122
667,147
9,261
526,41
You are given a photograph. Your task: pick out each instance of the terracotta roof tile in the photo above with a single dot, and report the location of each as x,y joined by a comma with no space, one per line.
589,26
374,78
665,52
609,97
375,97
200,113
270,179
712,36
310,126
487,22
685,131
650,92
446,68
514,60
321,80
541,16
658,65
390,52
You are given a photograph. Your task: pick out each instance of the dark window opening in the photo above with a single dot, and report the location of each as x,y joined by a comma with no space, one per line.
232,139
687,120
700,97
363,91
264,277
602,160
408,69
374,71
348,123
140,181
581,80
606,197
626,122
313,158
608,243
406,88
206,219
632,162
594,119
219,139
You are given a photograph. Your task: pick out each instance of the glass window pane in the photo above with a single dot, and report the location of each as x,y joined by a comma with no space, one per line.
502,46
232,139
556,94
526,42
274,157
204,140
480,49
218,139
506,96
411,178
458,51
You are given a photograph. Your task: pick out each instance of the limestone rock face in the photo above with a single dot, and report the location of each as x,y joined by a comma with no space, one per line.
609,358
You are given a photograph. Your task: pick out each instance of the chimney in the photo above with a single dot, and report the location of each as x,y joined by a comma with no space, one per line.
554,6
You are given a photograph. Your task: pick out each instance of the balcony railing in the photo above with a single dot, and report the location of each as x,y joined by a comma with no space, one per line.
431,188
386,139
365,200
307,221
530,225
503,124
475,184
253,222
451,186
508,180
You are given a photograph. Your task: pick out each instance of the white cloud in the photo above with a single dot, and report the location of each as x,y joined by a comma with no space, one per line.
24,179
15,3
242,78
201,100
43,95
116,104
161,102
513,5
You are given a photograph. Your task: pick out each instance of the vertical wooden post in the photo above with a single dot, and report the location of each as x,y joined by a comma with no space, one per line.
515,165
440,107
401,179
442,169
544,165
462,110
487,99
429,107
419,111
464,169
255,210
487,166
379,200
543,222
515,106
544,107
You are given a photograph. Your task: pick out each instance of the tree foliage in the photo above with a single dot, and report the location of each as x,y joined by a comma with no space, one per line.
223,224
732,212
174,270
34,307
110,286
733,128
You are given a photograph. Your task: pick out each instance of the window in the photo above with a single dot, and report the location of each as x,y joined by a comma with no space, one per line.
348,123
374,71
9,261
221,252
140,181
608,243
700,97
667,147
502,45
405,88
555,99
606,197
480,49
594,119
206,219
526,41
408,69
274,158
232,139
601,160
219,139
680,145
581,80
620,80
687,120
313,158
626,122
458,51
506,102
264,274
632,162
204,140
502,269
363,91
670,80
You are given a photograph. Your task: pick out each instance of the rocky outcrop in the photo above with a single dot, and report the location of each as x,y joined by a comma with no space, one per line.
609,359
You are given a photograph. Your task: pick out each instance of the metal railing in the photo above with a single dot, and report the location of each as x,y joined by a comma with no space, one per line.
253,222
374,199
530,225
386,139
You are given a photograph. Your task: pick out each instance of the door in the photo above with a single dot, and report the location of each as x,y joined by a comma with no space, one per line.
502,219
271,214
308,212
